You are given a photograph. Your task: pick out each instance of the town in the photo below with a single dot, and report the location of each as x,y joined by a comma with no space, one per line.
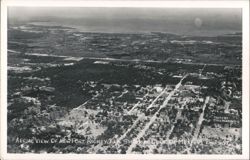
111,93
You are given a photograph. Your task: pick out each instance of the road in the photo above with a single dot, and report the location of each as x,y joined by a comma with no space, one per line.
129,112
202,69
154,61
141,116
197,129
201,118
178,115
134,124
136,60
142,133
82,105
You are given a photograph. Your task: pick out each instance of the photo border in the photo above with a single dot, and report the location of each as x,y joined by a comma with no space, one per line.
243,4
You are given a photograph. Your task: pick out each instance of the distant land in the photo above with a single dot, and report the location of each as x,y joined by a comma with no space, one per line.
192,22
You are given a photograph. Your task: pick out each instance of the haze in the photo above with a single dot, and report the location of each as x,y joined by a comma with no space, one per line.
182,21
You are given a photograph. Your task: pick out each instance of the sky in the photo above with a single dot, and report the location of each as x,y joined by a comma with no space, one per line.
191,21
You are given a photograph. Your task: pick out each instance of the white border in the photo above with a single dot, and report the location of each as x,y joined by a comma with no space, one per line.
150,4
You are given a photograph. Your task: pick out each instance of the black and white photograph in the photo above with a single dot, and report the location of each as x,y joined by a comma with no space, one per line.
125,80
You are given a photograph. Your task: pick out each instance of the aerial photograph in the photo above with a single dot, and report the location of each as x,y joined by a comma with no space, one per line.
100,80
